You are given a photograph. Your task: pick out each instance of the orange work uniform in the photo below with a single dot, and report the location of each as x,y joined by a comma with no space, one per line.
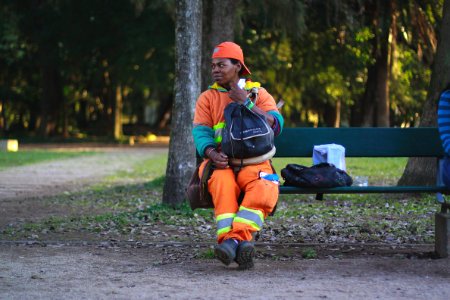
234,220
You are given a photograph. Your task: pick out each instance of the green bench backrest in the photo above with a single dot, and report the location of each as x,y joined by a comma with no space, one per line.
362,142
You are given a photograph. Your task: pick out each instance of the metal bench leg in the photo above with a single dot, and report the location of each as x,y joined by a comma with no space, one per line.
442,231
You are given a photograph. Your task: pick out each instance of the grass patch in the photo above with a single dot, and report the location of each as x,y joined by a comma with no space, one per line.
128,206
206,254
123,192
355,218
119,223
26,157
309,253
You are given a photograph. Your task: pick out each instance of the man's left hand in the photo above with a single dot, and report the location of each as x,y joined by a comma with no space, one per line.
237,94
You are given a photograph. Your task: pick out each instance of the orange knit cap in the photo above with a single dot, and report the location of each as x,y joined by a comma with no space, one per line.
231,50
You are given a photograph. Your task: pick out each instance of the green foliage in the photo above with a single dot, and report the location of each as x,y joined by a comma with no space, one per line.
325,62
104,45
128,207
406,101
314,55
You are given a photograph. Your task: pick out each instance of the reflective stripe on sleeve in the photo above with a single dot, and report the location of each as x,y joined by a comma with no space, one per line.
218,128
218,139
219,125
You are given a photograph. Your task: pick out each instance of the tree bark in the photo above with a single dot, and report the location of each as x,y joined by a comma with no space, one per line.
118,107
382,90
375,105
107,94
65,119
218,26
420,170
181,162
2,117
329,115
368,101
337,120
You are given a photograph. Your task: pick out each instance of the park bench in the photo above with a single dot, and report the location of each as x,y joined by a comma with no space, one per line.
372,142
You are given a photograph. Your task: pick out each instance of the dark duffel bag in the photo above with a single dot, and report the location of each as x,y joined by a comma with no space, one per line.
321,175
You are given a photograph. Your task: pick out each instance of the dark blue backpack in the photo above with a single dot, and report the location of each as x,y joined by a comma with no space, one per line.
246,134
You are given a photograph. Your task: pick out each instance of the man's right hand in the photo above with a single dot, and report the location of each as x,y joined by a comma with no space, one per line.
219,159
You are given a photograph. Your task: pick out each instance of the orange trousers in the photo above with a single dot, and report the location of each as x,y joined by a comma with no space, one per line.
261,195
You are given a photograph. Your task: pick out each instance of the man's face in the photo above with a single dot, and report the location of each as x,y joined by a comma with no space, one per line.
224,72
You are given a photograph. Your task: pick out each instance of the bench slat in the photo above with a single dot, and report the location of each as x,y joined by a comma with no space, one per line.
364,190
362,142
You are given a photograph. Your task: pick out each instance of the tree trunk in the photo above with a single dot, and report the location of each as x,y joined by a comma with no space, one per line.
118,106
65,119
382,89
164,111
218,26
393,55
332,114
2,117
375,105
420,170
382,65
181,162
109,99
368,101
82,116
337,120
51,100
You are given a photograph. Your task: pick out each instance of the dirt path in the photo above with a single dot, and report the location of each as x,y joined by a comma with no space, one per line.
104,269
21,188
89,272
50,178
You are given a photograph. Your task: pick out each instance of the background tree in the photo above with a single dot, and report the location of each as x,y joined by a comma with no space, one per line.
182,160
82,69
420,170
98,57
219,18
376,100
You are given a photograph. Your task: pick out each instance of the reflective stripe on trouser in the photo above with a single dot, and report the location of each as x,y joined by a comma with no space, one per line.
224,222
260,195
252,217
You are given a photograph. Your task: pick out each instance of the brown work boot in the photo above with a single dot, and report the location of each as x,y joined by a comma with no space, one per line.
244,255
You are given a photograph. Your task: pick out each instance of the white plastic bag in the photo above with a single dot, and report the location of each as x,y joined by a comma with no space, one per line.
330,153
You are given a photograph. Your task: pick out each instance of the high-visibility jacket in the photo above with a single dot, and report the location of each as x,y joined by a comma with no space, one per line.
234,220
209,114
